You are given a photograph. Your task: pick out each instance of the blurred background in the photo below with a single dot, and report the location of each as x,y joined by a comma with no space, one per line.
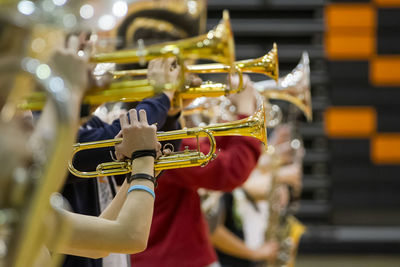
350,202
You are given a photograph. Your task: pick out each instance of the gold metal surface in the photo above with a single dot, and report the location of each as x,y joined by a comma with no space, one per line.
253,126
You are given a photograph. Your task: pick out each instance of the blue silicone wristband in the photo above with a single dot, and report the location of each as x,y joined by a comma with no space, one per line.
143,188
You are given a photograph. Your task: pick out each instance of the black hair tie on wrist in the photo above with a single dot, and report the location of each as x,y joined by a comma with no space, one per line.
143,176
144,153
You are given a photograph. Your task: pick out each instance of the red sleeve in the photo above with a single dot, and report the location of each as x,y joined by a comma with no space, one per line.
236,158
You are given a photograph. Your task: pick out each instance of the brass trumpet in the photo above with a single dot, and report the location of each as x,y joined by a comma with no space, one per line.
294,87
267,65
254,126
216,45
136,90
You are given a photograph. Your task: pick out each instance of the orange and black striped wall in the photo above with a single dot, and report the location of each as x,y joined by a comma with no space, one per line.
362,45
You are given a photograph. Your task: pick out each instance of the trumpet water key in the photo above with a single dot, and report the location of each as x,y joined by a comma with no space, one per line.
253,126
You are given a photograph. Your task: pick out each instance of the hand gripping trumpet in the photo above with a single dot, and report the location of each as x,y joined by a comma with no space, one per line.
254,126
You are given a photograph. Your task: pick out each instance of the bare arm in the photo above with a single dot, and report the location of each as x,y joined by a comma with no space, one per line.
258,185
228,243
126,232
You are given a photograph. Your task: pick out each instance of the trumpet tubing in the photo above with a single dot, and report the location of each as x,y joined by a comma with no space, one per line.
253,126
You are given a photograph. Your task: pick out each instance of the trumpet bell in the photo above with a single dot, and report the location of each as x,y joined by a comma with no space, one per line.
295,87
268,64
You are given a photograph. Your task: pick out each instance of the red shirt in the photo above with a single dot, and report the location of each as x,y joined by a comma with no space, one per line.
179,233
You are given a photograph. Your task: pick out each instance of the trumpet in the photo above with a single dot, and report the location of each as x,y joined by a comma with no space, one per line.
136,90
216,45
267,65
253,126
294,87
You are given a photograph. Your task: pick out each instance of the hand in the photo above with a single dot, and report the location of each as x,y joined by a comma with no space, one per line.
73,68
137,135
245,101
163,71
283,197
291,175
281,134
268,251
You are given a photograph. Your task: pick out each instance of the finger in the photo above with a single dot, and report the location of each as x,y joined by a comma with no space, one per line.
119,135
172,63
87,50
165,68
158,149
123,119
196,81
133,116
167,152
143,117
73,44
158,146
150,68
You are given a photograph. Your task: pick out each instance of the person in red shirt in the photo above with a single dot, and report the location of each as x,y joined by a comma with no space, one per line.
179,233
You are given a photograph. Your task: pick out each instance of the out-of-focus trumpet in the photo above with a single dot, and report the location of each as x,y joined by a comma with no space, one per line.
267,65
216,45
254,126
136,90
294,87
207,110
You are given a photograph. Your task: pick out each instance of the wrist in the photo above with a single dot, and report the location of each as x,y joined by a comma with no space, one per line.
254,255
143,165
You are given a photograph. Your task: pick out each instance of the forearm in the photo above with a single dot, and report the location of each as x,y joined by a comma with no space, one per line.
113,209
258,185
228,243
127,234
